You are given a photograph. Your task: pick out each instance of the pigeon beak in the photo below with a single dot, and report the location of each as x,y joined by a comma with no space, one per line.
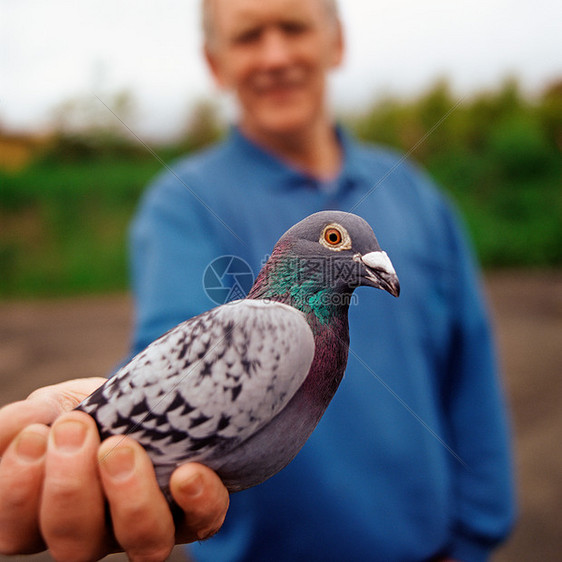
379,272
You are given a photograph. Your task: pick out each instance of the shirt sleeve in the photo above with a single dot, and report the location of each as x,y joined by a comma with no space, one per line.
477,416
170,240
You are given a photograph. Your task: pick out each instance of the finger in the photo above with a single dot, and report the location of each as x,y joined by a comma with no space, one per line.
142,521
65,396
43,406
202,496
14,417
72,511
21,477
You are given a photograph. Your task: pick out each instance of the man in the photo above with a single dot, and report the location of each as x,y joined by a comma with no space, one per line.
410,461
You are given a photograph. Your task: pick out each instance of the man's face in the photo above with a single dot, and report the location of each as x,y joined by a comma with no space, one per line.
274,54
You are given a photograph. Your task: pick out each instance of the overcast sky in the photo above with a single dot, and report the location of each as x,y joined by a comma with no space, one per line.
54,50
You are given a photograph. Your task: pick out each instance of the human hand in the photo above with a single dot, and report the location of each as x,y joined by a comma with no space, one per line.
55,482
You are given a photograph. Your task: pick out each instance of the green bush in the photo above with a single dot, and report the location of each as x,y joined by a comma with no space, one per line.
64,219
498,156
65,225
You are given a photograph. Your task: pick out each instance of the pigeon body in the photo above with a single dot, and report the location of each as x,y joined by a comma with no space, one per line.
241,387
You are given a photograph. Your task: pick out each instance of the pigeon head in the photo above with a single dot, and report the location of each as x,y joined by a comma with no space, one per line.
321,258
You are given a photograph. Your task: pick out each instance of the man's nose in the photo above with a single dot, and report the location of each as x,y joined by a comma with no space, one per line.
275,49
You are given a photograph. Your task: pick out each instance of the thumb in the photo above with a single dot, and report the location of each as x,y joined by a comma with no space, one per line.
14,417
44,406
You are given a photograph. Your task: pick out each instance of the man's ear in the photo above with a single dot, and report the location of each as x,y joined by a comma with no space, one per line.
338,48
215,67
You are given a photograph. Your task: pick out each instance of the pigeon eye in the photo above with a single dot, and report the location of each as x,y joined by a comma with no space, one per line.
333,236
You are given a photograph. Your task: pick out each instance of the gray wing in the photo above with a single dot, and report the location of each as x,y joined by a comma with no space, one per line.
208,384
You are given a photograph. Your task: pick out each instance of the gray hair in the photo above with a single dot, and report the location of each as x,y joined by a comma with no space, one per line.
208,25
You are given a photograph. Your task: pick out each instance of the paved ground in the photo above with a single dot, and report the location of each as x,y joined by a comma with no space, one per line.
45,342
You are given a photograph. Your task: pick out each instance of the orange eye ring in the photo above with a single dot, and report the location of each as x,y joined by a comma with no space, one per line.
333,236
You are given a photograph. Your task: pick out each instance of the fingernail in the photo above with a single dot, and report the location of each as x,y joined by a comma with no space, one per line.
119,463
69,436
192,486
31,446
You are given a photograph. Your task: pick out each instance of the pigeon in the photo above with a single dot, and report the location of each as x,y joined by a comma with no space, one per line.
241,387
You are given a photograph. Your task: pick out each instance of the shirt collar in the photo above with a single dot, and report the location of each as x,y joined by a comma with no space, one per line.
284,176
354,170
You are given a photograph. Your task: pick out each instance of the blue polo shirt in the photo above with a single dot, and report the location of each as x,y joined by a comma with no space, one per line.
411,459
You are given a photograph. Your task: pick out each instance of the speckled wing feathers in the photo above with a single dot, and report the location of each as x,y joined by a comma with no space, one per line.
208,384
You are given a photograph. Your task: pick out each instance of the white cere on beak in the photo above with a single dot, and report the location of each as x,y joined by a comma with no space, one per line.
378,260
